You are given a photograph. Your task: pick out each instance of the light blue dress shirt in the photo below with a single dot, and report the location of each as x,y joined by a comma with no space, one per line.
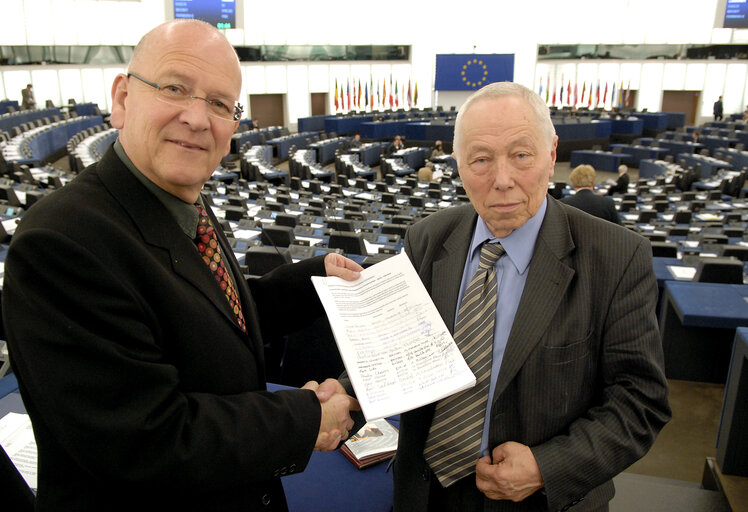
511,274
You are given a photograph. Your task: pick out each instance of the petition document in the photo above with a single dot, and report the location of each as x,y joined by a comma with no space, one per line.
396,348
17,438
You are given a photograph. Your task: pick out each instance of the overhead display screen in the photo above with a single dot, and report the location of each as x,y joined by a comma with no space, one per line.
220,14
736,14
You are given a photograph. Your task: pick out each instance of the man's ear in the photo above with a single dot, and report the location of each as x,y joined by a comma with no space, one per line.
119,94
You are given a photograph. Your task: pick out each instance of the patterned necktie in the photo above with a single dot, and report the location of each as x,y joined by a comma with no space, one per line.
454,439
210,250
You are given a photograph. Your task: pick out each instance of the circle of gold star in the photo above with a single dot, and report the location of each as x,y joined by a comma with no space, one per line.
473,66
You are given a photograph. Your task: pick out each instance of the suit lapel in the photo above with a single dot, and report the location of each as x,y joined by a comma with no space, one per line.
548,279
447,268
159,229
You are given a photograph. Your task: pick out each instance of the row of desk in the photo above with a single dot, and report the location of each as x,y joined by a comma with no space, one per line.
8,121
35,145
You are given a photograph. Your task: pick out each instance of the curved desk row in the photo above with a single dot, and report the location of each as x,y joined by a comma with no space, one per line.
8,121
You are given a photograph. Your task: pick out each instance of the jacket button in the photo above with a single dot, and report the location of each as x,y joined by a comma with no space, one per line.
292,468
425,474
266,499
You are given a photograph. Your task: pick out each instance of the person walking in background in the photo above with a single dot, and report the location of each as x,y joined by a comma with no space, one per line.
27,94
718,109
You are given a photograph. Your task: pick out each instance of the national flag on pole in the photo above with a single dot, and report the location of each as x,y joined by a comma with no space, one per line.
348,93
576,95
584,89
390,97
384,93
597,94
397,97
561,92
359,94
540,89
554,97
366,94
410,97
415,94
547,87
568,92
626,99
613,102
336,94
605,94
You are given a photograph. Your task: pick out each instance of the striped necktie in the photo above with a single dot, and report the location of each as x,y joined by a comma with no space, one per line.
453,443
210,250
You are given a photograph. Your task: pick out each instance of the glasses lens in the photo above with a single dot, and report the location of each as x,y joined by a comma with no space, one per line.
215,109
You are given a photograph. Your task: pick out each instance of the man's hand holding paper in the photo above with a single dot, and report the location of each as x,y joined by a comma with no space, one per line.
397,351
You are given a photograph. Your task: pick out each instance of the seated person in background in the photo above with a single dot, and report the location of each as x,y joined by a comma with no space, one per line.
437,151
395,145
622,183
136,341
583,180
745,114
695,136
426,173
356,142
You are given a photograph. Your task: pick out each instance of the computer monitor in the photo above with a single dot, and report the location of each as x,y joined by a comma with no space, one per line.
736,251
261,260
285,219
664,249
280,236
340,224
349,242
719,270
394,229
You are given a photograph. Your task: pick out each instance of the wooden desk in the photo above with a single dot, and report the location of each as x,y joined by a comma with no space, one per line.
735,488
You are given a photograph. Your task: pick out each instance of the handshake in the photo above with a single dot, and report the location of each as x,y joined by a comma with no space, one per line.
336,422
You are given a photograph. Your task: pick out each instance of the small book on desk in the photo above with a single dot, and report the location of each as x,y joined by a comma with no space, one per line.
375,442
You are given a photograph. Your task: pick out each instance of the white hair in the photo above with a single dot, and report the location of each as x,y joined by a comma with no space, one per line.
504,90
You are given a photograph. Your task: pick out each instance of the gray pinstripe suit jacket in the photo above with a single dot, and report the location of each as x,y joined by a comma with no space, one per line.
582,381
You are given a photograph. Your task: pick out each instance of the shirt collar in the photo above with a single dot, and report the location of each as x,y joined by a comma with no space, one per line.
184,213
519,244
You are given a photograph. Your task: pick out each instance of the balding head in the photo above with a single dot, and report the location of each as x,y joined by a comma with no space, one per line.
174,107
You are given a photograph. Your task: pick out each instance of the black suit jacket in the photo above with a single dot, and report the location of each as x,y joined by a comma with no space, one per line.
142,390
594,204
621,186
582,380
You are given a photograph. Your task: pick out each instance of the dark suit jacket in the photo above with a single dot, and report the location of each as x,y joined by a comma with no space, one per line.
142,389
594,204
621,186
582,379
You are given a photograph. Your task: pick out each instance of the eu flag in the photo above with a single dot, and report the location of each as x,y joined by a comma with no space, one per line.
469,72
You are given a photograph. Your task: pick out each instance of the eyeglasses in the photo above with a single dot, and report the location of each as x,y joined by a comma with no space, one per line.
179,96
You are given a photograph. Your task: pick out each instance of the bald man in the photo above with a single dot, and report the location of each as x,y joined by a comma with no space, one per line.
137,343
